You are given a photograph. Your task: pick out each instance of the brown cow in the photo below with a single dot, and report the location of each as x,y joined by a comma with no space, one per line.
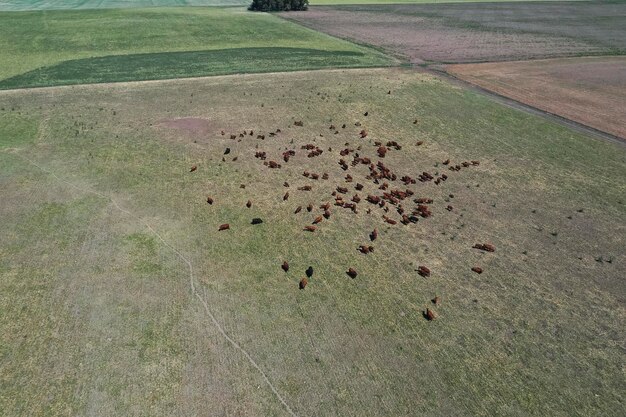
285,266
225,226
423,271
351,273
303,283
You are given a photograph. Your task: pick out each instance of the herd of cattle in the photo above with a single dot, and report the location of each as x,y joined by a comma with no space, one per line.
394,201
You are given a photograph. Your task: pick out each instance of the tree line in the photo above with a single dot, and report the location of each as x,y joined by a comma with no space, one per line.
278,5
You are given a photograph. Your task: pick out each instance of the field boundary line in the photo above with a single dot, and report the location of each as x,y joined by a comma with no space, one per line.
192,285
520,105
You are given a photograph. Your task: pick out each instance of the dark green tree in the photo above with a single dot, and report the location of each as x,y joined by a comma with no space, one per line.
278,5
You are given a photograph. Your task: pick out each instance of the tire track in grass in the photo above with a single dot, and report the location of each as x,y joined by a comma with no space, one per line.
192,283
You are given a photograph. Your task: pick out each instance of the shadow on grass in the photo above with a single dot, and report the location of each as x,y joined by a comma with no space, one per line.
166,65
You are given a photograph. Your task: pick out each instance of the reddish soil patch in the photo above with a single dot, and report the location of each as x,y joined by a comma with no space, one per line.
191,126
588,90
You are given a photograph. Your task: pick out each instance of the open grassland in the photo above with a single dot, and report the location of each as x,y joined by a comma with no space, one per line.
118,295
589,90
477,32
22,5
89,46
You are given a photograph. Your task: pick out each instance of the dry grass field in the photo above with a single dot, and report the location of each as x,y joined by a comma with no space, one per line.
120,297
589,90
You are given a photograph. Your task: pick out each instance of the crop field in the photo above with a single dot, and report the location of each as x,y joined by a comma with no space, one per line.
590,90
120,296
45,48
477,32
22,5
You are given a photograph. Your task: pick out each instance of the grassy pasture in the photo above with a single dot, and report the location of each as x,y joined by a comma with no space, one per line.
45,48
97,312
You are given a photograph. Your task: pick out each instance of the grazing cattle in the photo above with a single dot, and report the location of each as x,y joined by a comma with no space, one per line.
374,199
193,168
430,315
285,266
363,134
374,235
326,214
324,176
477,269
436,301
286,196
475,162
366,113
423,200
306,174
256,220
309,208
314,176
419,143
423,271
310,228
226,151
233,136
298,123
325,206
415,121
382,151
356,198
351,273
449,208
262,137
405,220
348,178
394,144
260,155
303,283
209,200
285,184
305,188
366,249
342,190
223,133
487,247
332,127
317,220
390,221
358,186
224,226
309,272
446,162
249,204
273,164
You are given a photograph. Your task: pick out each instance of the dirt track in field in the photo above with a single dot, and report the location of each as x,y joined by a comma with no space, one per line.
590,90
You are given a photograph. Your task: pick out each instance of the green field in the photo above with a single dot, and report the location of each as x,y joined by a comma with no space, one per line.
87,46
21,5
119,297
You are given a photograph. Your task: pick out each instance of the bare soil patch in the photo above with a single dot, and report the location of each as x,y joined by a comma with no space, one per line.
190,126
589,90
478,32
